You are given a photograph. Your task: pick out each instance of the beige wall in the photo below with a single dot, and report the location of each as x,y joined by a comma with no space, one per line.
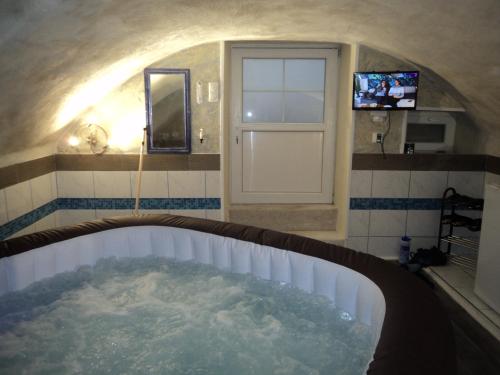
204,64
433,92
364,128
122,112
344,137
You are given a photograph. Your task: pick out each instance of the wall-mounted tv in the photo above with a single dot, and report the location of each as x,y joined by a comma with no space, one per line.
385,91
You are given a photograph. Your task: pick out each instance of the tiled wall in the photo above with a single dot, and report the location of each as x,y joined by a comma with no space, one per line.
386,205
69,197
19,200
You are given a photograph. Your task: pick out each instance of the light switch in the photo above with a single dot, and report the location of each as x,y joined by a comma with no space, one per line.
199,92
213,92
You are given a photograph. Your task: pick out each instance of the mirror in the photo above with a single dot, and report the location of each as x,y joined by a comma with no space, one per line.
168,110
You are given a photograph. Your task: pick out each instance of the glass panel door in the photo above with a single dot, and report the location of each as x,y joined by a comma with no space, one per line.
283,90
282,127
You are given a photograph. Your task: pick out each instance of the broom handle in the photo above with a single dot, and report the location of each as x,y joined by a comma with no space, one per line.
139,175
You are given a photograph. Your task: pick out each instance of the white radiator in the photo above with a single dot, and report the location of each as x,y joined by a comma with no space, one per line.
488,268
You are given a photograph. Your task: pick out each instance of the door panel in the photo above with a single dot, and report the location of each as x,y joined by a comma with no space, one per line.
282,124
282,162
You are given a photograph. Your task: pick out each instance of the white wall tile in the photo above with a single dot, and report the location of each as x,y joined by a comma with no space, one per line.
214,214
191,213
75,184
71,217
186,184
423,223
154,184
491,178
48,222
212,182
358,244
467,183
101,214
28,230
359,221
41,190
384,247
428,184
361,184
390,184
53,185
387,223
3,207
115,184
18,200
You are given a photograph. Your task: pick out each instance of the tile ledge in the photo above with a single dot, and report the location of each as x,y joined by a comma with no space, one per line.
476,313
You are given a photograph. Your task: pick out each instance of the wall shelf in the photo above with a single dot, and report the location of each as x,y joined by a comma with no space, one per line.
441,109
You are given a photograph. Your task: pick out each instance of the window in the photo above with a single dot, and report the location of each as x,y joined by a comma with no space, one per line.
283,90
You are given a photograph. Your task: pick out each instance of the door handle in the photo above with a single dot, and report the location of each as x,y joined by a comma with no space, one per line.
236,139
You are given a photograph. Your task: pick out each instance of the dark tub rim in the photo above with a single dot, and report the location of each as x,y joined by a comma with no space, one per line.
416,336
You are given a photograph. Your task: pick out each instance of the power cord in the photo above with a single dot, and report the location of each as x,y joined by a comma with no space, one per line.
385,134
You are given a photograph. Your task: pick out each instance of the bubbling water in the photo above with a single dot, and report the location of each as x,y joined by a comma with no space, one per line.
156,316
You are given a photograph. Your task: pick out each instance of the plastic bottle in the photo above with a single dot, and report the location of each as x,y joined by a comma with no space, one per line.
404,250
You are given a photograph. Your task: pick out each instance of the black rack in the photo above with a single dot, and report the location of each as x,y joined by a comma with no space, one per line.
450,203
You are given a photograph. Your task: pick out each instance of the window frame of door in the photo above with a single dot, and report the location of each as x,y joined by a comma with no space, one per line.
331,54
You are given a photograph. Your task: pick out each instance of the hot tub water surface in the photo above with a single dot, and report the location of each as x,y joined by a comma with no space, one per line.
156,316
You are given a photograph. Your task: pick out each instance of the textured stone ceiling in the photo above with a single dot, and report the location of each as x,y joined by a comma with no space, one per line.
59,58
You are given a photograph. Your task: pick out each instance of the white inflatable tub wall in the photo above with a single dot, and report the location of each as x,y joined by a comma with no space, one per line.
348,290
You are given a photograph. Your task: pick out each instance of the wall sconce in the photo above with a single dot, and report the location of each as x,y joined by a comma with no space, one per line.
202,135
94,135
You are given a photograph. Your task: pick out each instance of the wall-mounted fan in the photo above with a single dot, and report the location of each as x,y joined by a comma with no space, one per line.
94,135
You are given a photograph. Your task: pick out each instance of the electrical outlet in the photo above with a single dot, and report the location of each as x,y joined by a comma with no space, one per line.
377,137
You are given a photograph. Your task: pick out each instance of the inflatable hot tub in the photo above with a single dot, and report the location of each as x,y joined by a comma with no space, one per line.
412,332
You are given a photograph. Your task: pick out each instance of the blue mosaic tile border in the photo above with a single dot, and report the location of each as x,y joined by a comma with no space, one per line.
26,220
145,203
395,204
32,217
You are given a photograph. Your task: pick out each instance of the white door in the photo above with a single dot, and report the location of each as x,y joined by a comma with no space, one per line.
282,124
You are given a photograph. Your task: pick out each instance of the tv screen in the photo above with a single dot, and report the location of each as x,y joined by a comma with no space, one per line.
386,91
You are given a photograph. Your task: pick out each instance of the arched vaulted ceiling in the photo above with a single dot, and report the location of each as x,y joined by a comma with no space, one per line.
60,57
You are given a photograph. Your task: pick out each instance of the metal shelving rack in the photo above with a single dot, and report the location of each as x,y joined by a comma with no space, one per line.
450,203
